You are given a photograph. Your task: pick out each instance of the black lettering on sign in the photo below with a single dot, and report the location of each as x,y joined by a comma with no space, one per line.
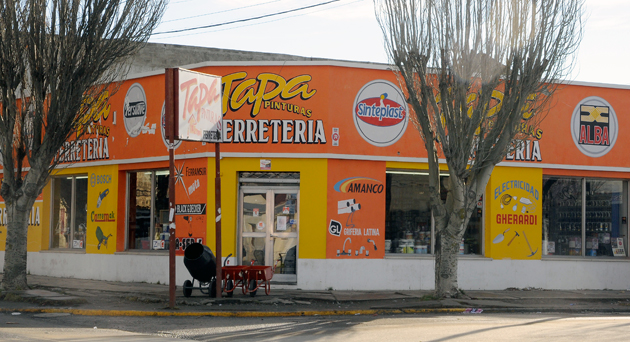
182,244
190,209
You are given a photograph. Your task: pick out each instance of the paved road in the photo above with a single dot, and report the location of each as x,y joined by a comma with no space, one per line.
59,327
453,327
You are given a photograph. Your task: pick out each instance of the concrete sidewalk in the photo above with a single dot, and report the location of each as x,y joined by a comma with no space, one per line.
93,297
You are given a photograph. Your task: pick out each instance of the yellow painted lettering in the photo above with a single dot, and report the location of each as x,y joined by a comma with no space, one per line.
302,88
238,99
227,86
527,113
262,94
264,88
498,96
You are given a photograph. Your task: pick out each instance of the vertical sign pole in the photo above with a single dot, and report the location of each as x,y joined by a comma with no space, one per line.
171,108
217,203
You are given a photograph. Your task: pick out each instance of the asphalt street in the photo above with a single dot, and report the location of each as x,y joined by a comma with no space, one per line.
397,327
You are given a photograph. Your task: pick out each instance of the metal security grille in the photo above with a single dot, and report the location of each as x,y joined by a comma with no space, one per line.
268,178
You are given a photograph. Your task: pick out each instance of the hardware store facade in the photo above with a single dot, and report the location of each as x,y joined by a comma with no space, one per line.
324,177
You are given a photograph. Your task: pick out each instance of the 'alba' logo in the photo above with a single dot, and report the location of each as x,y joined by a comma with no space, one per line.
594,126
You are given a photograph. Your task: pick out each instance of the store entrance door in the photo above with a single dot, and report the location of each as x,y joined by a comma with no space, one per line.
268,229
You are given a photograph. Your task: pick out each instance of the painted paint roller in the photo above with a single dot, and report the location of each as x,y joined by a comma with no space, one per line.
349,209
345,203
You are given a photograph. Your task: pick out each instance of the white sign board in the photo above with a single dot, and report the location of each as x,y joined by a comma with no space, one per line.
158,244
199,114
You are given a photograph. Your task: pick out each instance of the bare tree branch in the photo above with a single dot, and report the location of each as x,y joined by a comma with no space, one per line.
57,57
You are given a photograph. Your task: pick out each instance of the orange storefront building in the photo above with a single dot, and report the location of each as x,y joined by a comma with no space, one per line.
324,176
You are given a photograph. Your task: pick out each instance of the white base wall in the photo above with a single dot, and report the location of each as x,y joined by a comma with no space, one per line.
132,267
373,274
473,274
366,274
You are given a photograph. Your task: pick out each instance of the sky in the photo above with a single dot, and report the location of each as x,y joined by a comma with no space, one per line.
348,30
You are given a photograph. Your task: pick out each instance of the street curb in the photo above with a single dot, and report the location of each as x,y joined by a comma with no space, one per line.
556,310
137,313
86,312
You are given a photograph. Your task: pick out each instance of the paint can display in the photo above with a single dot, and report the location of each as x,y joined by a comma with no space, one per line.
420,249
405,246
388,245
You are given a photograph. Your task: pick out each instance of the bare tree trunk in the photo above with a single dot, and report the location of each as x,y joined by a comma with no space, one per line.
446,251
17,228
450,227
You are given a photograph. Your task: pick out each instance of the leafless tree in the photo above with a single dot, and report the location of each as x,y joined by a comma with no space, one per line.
57,57
478,74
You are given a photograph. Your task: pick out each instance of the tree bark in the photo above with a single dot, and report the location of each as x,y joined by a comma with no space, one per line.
15,249
446,251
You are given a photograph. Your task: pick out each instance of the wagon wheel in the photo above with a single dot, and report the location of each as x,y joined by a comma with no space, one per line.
252,288
188,286
229,288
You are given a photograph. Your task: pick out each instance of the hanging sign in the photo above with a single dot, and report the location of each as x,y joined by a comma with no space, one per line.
199,115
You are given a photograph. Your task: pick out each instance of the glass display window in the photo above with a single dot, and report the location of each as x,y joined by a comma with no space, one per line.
603,208
473,236
583,217
409,227
69,221
147,209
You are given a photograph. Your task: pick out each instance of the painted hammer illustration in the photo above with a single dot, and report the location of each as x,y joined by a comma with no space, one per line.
515,235
530,246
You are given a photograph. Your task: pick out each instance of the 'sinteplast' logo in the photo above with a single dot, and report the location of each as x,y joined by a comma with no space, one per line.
594,126
135,110
359,185
380,113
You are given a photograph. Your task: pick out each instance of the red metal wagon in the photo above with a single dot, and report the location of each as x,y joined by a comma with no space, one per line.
258,276
233,277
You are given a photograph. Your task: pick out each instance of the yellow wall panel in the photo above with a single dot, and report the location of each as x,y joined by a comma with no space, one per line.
37,235
312,211
514,213
414,166
102,210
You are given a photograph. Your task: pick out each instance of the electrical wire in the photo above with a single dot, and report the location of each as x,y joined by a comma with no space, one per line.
260,23
229,10
246,19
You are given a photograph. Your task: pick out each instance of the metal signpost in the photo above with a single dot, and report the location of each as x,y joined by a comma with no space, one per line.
193,113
